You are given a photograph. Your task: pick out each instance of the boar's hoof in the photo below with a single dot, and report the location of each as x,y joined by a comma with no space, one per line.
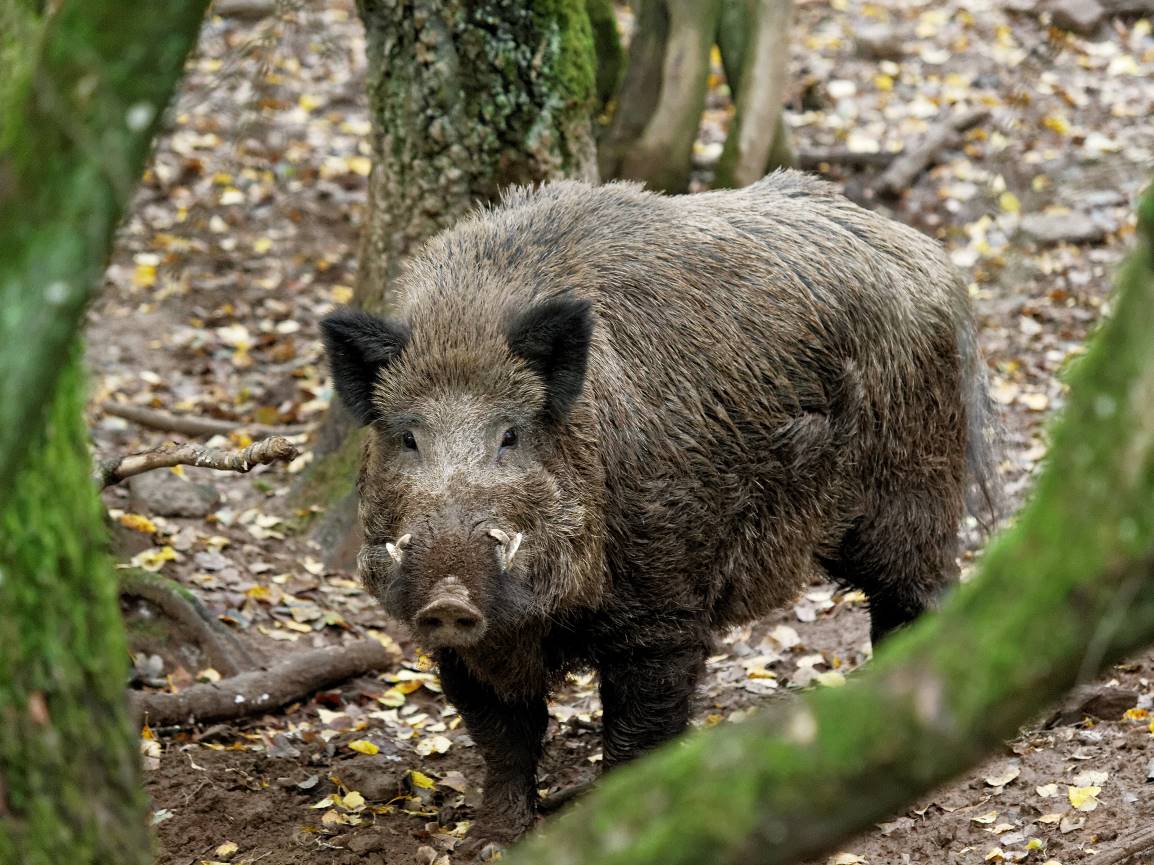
450,619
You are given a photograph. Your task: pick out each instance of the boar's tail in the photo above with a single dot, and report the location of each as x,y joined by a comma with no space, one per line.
983,433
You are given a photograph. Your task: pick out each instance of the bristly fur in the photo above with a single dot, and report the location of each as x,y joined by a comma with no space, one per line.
713,396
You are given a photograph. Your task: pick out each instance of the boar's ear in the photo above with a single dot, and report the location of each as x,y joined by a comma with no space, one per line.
359,346
554,337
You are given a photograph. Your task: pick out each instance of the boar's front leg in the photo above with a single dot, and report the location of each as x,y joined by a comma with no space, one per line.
646,697
509,734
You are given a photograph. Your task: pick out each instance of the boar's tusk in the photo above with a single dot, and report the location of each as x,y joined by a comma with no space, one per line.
394,551
511,550
509,546
403,541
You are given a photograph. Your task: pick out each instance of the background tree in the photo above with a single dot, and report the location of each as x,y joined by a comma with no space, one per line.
1067,592
466,97
658,108
82,88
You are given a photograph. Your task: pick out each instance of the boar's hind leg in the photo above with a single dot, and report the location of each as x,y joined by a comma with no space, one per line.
646,698
903,559
509,735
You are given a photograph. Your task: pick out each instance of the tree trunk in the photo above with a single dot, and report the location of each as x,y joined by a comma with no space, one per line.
1067,592
467,97
754,42
82,88
69,764
607,45
81,92
659,110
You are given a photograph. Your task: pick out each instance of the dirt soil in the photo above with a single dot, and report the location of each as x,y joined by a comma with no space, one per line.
245,233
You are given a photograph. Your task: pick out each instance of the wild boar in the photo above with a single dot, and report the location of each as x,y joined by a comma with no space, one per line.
606,424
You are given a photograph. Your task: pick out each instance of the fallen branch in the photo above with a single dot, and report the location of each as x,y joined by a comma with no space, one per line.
910,163
1129,847
194,426
813,159
224,651
263,690
271,450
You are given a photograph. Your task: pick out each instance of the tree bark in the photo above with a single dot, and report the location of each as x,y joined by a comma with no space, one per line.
84,85
754,34
1060,597
82,91
69,778
651,139
607,45
467,97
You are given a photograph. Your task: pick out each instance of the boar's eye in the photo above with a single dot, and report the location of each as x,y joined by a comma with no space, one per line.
409,440
509,439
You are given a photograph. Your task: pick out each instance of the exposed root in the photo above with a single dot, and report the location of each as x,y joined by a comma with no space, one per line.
227,655
260,691
194,427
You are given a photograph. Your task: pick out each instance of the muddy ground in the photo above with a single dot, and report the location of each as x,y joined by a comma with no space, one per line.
245,234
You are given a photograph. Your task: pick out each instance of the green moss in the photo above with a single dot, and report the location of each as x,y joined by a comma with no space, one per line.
69,755
333,477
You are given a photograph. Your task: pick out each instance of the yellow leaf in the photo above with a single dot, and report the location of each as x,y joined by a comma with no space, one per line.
845,859
341,294
1035,844
178,471
364,746
353,801
1009,202
144,276
308,102
884,82
988,817
361,165
153,560
262,245
420,779
393,698
1083,798
1057,123
227,849
138,523
1136,714
326,802
832,679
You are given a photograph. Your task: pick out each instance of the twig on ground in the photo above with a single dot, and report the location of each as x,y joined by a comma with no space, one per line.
910,163
263,690
227,655
1127,848
558,800
812,159
116,469
194,426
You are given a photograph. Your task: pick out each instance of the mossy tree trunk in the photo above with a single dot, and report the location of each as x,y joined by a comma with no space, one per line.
467,97
607,45
1057,599
82,87
659,108
754,40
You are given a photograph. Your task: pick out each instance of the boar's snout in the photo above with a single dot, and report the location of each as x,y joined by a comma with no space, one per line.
450,619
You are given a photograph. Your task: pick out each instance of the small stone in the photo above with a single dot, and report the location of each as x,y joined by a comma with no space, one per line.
168,495
367,842
1079,16
1072,227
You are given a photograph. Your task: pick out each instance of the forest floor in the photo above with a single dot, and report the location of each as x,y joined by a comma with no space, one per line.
245,233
